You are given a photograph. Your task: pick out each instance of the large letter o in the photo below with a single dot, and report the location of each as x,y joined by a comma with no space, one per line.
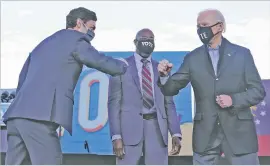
84,99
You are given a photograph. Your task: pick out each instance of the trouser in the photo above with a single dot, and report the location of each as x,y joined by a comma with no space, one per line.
34,140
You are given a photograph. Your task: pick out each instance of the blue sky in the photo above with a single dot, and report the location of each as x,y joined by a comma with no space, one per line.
25,24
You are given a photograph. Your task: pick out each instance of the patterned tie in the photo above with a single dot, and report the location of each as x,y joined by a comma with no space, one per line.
147,91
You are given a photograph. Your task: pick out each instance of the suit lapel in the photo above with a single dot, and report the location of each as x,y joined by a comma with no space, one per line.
134,72
226,55
155,72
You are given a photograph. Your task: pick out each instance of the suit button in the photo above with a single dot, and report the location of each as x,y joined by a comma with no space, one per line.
216,79
140,114
218,123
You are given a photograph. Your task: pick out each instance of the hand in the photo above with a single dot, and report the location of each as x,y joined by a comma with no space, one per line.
224,101
118,148
176,146
164,67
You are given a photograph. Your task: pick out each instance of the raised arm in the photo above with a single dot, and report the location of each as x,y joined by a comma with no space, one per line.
86,54
170,86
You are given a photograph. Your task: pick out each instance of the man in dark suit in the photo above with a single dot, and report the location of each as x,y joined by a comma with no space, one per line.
226,84
45,90
140,115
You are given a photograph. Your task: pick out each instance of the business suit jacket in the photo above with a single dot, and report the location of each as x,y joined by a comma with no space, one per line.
125,103
49,76
238,77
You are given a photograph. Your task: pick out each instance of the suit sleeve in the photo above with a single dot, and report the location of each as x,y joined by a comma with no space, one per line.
255,91
173,122
23,73
86,54
178,80
114,105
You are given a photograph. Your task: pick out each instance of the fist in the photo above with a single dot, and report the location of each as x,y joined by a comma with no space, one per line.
164,67
224,101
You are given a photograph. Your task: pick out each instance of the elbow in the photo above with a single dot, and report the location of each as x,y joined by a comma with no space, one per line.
168,91
122,70
119,69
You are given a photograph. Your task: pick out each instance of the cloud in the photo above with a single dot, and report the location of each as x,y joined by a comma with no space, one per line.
254,34
15,47
23,13
17,44
114,39
170,36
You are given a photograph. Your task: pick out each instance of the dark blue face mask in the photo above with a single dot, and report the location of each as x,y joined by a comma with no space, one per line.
90,33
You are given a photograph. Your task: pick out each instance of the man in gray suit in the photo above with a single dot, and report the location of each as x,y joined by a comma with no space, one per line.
226,84
140,115
45,91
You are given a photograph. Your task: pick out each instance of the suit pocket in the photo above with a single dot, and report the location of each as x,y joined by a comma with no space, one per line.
198,117
245,115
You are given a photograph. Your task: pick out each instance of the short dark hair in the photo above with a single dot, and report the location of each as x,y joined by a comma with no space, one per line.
82,13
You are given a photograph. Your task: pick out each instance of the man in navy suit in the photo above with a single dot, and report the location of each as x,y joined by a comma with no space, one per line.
45,90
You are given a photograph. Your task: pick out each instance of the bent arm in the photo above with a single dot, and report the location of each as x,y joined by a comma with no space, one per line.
86,54
255,91
177,81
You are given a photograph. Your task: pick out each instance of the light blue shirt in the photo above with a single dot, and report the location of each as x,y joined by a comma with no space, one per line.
214,55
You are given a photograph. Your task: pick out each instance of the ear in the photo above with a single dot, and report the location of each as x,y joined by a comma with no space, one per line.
79,23
221,27
135,42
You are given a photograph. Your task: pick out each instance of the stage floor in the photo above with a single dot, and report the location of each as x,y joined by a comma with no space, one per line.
84,159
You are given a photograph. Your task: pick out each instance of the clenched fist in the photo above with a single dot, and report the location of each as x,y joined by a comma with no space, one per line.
164,67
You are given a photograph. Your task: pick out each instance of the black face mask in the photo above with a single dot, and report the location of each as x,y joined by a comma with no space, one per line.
145,47
206,33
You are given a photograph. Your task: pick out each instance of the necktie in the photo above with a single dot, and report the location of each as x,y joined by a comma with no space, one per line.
147,91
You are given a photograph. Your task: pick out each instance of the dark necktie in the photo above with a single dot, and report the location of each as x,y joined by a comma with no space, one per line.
147,91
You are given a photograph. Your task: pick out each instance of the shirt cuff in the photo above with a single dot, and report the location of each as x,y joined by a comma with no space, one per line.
114,137
177,135
163,80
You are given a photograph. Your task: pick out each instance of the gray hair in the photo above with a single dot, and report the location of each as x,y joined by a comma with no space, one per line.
219,17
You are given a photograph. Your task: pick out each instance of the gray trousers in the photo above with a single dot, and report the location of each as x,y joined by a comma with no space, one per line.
34,140
152,146
218,144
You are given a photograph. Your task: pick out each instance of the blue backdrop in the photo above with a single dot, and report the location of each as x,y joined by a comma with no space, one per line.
90,108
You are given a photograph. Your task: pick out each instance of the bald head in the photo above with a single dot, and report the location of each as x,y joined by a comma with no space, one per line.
144,34
210,17
144,42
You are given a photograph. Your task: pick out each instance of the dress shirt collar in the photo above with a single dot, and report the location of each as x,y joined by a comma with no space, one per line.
138,58
212,49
